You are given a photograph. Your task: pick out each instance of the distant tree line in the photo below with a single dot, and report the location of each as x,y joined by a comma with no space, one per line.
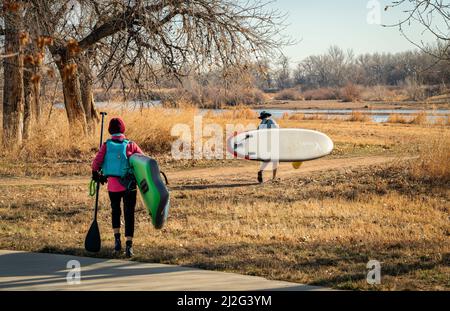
337,68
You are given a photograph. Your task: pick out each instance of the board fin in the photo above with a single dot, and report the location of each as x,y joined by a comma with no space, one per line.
296,165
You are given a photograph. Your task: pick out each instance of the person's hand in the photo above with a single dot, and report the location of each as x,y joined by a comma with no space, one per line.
96,176
103,179
99,177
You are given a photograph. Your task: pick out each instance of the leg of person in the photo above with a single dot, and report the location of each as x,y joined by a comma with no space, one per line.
129,205
262,167
274,169
115,198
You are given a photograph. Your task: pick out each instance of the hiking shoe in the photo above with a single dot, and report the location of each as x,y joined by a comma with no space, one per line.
117,245
117,242
260,179
129,249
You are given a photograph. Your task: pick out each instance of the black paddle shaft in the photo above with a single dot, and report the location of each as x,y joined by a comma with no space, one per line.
93,242
98,184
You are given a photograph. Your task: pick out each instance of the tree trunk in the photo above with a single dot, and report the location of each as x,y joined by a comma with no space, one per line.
13,95
72,96
87,94
28,102
31,75
32,93
37,107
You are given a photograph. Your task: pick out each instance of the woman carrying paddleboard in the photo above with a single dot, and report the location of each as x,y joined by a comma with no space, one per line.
266,123
112,161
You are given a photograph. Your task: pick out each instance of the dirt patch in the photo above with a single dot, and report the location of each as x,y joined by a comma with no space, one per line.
241,172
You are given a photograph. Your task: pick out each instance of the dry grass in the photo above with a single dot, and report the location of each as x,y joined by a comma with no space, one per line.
158,122
213,96
321,94
434,159
377,93
357,116
350,93
420,118
289,94
238,113
51,140
316,116
397,118
297,116
322,235
443,120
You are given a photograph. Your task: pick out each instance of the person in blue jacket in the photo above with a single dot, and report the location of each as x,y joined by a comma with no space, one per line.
267,123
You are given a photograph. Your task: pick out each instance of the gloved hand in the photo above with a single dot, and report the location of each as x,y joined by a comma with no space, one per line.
98,177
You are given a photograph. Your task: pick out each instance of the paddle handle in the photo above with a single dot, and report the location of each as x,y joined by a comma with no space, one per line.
103,114
101,130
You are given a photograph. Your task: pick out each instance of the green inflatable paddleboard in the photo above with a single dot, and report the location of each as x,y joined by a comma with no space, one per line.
154,192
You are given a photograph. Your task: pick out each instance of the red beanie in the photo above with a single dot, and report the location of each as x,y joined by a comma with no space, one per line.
116,126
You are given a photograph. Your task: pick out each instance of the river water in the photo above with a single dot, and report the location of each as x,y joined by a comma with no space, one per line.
377,115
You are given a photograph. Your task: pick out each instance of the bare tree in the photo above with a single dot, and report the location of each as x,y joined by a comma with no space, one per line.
433,16
129,41
283,74
34,54
13,95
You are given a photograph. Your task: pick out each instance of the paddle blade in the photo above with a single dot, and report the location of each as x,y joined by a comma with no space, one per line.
296,165
93,242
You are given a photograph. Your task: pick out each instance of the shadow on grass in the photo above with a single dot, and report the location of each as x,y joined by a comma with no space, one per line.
290,262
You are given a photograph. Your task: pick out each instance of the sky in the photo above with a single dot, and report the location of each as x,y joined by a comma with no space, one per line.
317,24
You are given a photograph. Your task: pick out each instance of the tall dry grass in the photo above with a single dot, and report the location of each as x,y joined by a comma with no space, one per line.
377,93
289,94
350,93
51,139
358,116
443,120
397,118
325,93
240,112
213,96
434,159
297,116
151,128
420,118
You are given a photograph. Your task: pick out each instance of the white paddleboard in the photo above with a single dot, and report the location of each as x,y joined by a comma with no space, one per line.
284,145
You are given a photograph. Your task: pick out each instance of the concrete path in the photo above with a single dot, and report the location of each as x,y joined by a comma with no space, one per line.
37,271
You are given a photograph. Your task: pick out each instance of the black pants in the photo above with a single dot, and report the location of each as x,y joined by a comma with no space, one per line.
129,203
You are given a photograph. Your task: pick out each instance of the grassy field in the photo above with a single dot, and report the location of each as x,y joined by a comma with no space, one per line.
319,228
